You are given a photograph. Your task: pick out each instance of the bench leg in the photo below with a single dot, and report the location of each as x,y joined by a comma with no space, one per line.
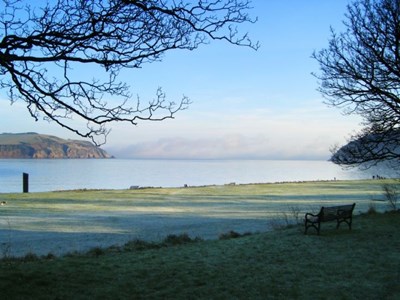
305,227
348,222
317,227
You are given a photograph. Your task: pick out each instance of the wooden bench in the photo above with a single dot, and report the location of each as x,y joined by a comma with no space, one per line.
340,214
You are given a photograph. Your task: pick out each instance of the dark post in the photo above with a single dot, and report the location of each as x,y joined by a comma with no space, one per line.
25,182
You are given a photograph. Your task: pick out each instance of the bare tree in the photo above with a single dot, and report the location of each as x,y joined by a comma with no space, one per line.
360,73
44,45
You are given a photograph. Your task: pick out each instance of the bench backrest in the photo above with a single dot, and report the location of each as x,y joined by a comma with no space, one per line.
332,212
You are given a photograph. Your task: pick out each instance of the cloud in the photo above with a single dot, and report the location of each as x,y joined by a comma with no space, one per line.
232,146
298,133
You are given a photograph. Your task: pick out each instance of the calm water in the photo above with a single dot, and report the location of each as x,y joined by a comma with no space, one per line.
50,175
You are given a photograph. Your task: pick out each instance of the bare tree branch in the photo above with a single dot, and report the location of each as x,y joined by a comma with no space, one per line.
360,73
42,47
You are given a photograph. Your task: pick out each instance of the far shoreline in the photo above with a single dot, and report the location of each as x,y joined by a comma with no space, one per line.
232,184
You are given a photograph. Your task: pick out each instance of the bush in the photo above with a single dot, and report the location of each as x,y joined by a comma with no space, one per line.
30,256
232,235
371,209
183,238
293,216
138,245
391,193
97,251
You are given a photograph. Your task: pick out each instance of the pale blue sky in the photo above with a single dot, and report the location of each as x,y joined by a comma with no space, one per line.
246,104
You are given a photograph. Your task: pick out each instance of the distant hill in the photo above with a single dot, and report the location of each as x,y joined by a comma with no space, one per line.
34,145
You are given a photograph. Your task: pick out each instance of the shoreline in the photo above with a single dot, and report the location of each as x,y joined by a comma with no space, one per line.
203,186
117,174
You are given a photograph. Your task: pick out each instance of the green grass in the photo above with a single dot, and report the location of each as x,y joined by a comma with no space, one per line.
360,264
253,201
282,264
310,193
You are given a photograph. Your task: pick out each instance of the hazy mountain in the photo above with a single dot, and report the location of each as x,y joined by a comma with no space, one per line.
34,145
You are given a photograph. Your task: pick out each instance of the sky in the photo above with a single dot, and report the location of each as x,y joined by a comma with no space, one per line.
246,104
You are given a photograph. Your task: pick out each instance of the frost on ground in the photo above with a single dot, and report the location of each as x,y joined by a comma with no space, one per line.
64,222
68,233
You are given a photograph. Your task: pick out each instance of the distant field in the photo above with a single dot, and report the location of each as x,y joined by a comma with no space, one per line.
67,221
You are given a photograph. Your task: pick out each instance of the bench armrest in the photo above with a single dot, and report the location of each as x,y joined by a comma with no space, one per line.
311,215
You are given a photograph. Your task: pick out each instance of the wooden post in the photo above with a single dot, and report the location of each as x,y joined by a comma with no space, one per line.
25,182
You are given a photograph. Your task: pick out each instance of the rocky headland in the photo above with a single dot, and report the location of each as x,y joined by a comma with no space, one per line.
34,145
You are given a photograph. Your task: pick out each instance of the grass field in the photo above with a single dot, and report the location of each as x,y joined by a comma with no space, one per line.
67,221
281,264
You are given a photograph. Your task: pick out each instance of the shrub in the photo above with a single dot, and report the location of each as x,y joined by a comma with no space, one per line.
391,193
229,235
292,216
138,245
6,250
232,235
371,209
49,256
30,257
97,251
183,238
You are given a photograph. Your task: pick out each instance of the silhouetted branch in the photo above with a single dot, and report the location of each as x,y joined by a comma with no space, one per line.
42,50
360,73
